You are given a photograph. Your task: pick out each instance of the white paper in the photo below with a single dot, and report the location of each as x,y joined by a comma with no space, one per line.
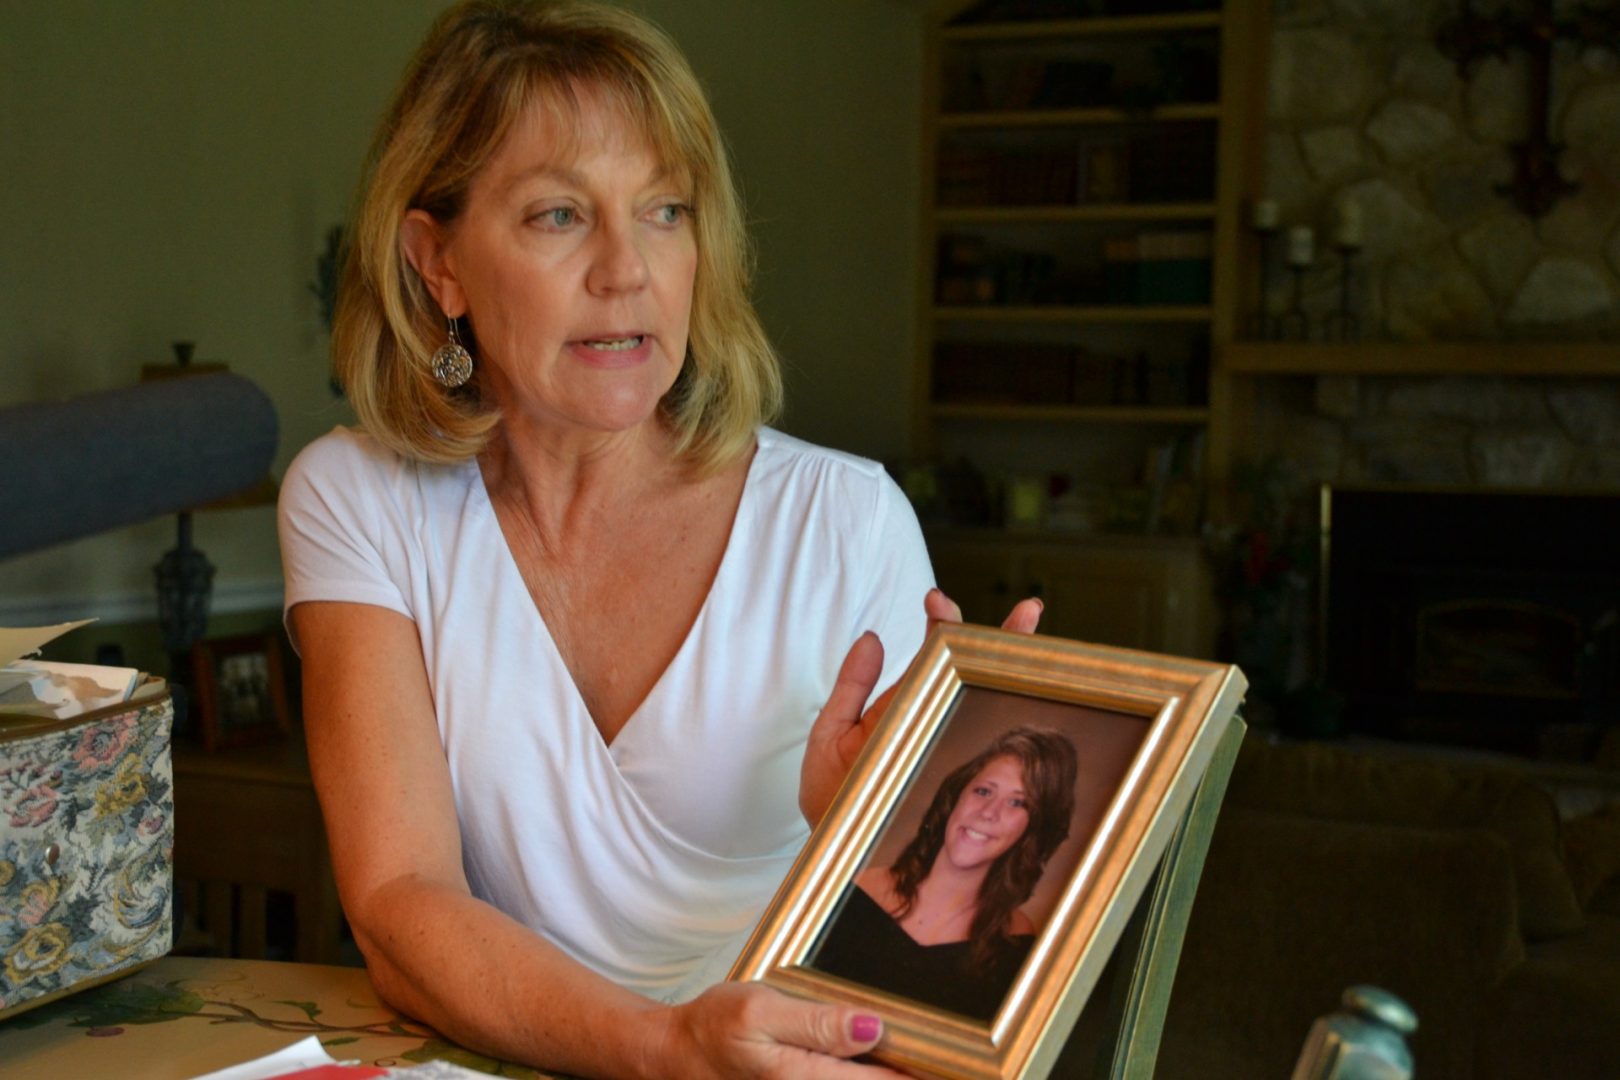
19,641
310,1053
65,690
306,1054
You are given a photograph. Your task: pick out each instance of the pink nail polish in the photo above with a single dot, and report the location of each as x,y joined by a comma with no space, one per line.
865,1028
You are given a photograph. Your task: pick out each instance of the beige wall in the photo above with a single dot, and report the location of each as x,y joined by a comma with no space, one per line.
170,167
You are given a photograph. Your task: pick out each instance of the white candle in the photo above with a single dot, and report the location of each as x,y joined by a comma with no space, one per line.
1265,215
1301,246
1350,233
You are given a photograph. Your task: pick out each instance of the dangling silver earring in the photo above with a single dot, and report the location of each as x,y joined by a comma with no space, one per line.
452,364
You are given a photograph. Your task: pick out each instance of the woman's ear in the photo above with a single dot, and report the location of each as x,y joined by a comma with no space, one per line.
426,244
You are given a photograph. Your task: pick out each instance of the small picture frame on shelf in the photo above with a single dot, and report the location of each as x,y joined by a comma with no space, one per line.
1061,772
240,690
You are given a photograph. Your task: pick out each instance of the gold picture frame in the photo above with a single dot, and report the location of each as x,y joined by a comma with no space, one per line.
969,682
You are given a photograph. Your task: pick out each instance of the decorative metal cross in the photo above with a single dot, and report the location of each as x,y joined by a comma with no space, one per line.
1537,184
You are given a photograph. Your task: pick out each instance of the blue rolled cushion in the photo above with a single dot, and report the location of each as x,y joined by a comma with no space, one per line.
75,468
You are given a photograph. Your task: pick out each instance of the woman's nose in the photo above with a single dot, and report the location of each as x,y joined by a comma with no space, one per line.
619,265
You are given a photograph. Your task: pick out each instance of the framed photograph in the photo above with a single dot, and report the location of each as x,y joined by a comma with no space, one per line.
975,872
239,690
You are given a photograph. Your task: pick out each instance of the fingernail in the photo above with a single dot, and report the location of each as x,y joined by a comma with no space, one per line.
864,1028
1040,603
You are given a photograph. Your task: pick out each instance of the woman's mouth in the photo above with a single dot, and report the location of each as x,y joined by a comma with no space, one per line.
612,352
976,836
622,344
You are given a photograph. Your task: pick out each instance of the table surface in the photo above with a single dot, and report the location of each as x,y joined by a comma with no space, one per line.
184,1016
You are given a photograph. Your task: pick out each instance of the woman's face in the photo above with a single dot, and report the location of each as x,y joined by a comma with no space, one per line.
576,269
991,814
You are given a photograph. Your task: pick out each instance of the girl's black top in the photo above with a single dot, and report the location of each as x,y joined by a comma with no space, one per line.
864,944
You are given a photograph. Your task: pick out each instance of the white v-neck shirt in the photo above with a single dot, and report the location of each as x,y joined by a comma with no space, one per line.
651,858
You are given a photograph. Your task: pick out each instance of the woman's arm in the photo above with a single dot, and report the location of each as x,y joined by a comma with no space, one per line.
437,953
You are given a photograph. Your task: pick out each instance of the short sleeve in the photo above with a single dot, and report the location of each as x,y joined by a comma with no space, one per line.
899,577
338,542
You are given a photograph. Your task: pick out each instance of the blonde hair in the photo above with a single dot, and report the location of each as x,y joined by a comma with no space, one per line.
483,63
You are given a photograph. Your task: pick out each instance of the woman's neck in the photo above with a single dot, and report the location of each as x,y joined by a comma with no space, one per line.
560,482
948,882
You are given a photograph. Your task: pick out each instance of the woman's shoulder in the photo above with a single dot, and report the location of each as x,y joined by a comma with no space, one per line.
798,472
348,455
1020,925
780,451
343,450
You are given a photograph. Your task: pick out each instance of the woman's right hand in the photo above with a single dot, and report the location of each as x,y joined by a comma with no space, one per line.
749,1030
849,717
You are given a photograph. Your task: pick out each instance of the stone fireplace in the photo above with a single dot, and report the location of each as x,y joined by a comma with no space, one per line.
1364,108
1485,378
1458,430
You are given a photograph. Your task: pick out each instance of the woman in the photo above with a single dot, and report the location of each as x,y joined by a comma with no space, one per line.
575,626
944,925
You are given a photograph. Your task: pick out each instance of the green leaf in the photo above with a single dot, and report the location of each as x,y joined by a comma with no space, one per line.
132,1002
443,1050
308,1008
340,1042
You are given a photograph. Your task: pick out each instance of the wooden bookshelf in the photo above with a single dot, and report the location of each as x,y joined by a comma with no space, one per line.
991,117
1087,414
1040,313
1061,215
1101,26
1034,118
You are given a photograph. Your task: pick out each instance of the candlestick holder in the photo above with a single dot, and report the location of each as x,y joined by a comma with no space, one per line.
1262,327
1344,324
1293,325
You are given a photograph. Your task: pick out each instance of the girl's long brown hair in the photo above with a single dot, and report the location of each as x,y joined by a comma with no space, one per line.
1050,767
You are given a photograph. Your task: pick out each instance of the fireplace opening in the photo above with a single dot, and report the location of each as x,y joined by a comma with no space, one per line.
1487,619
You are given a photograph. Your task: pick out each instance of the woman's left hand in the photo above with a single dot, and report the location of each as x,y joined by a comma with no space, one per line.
847,721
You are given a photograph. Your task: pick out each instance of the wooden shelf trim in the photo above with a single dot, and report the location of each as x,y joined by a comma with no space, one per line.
1440,358
1016,118
1125,313
991,215
1105,414
1094,27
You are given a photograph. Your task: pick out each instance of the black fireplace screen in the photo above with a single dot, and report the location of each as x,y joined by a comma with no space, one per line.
1483,618
1496,646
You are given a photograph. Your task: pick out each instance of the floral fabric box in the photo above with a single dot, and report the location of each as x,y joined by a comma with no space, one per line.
86,847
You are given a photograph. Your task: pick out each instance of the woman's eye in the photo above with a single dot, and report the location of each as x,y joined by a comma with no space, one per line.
671,214
982,791
558,217
1020,804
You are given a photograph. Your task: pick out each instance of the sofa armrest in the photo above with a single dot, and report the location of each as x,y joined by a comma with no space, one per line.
1291,910
1558,1013
1323,780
